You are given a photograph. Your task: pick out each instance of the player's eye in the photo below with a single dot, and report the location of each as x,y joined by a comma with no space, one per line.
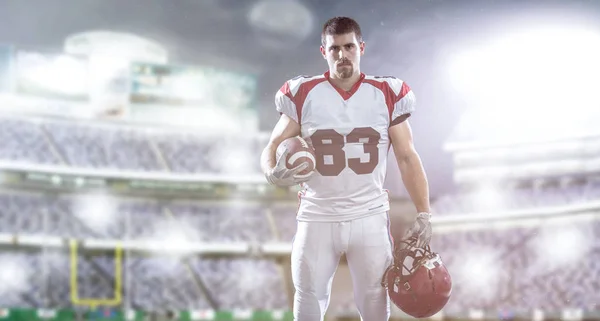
349,46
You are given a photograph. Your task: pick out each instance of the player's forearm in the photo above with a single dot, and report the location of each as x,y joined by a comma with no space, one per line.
285,128
267,158
415,181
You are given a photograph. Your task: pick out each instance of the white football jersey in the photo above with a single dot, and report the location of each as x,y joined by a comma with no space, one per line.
349,133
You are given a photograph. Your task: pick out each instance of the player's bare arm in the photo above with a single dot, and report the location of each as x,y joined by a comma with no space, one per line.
414,179
284,129
411,167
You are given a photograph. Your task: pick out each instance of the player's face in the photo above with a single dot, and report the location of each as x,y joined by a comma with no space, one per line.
342,53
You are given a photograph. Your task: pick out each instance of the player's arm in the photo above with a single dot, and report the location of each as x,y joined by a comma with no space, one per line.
274,166
410,165
284,129
409,162
414,179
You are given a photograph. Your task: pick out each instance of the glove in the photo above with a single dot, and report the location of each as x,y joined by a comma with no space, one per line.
420,230
280,175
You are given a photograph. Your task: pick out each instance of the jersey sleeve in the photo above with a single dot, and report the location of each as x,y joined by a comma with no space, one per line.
405,101
284,102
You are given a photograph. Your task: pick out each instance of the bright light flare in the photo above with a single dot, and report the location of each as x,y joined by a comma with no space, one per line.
14,274
479,272
232,159
548,69
528,84
62,74
562,244
175,237
488,198
98,211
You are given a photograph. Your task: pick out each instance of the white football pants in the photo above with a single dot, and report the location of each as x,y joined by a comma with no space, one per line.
316,252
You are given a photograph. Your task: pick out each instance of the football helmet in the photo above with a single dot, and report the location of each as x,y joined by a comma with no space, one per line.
417,282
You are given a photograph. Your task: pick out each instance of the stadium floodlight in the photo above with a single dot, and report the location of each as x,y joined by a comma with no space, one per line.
562,244
521,69
487,197
541,74
232,160
14,275
480,273
96,210
176,237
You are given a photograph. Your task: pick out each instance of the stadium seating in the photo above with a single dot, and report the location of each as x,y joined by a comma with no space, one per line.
493,268
493,201
524,268
154,281
24,141
112,146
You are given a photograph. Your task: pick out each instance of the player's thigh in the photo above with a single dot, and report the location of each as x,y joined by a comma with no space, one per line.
314,256
370,250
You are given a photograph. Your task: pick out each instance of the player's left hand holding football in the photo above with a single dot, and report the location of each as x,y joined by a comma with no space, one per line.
420,230
282,176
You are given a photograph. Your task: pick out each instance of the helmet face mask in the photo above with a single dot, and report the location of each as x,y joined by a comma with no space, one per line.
418,283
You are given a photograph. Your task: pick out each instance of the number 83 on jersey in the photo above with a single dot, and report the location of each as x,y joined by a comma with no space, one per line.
331,158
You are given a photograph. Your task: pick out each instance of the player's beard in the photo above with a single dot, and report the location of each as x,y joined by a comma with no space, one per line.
345,71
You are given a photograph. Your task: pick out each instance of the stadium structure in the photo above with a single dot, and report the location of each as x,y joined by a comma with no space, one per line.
108,214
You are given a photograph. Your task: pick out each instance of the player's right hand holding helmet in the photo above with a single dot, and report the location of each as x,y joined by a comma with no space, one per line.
418,282
280,175
420,230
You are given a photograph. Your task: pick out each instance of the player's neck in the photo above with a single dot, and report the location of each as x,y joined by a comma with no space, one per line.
344,83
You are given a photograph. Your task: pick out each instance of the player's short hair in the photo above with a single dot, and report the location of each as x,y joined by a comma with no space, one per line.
340,26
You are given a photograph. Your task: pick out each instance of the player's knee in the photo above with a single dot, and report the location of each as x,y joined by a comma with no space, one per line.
372,293
311,293
309,307
372,280
308,296
373,304
308,285
371,298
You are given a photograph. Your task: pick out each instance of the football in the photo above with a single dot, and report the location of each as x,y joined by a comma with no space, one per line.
298,152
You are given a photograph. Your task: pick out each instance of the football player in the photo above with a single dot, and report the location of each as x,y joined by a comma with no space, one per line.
350,119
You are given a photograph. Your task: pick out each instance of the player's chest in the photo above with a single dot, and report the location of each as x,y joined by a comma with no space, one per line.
363,109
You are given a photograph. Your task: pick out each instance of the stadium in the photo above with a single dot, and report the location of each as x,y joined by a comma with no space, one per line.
131,187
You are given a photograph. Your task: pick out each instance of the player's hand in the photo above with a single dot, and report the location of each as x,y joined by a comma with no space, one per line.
420,230
280,175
